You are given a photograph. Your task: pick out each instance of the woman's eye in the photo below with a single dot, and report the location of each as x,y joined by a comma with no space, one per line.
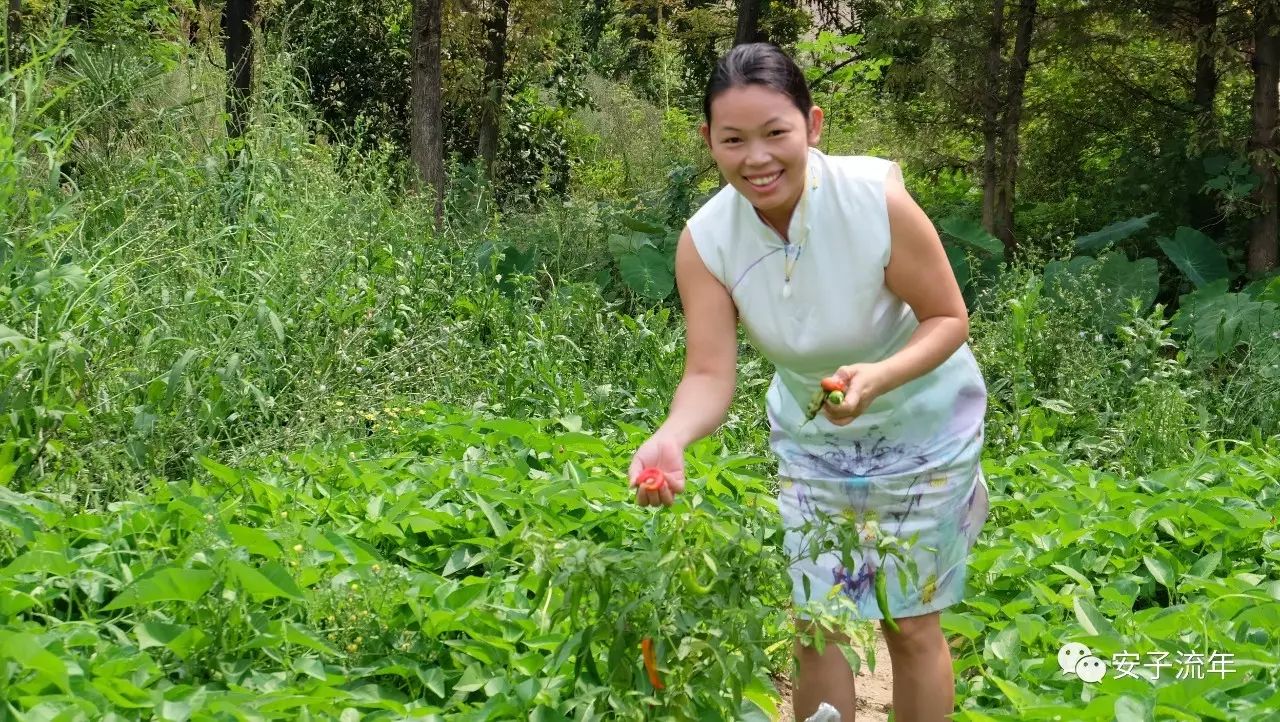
776,132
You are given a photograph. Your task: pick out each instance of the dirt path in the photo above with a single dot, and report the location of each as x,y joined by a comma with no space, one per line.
874,690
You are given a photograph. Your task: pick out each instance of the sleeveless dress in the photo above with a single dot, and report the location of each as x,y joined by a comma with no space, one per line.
910,465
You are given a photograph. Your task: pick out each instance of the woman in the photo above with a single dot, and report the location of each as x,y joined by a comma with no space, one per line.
833,269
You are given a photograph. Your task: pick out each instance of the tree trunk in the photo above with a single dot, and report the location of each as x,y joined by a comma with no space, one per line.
237,30
749,12
991,116
1204,215
14,23
495,65
426,137
1011,123
1262,146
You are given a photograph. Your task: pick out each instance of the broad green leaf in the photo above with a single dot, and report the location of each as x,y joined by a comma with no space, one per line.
972,234
1132,709
1113,233
27,650
1093,621
220,472
1161,570
254,540
636,224
1218,321
1126,279
959,265
168,584
647,274
1006,642
271,581
1196,255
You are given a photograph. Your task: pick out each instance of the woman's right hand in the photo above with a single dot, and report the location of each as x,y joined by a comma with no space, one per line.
665,454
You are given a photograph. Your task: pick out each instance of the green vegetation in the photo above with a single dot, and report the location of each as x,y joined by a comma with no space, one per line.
273,446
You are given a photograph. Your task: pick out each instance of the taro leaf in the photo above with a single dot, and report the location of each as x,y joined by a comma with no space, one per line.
620,245
1122,279
169,584
1196,255
1113,233
646,272
972,234
1217,321
959,265
636,224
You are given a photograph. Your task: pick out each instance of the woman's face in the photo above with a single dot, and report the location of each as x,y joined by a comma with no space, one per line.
760,141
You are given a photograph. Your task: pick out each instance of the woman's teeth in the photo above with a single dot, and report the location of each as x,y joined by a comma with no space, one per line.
764,181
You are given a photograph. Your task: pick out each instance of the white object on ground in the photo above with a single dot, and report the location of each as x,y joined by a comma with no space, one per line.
825,713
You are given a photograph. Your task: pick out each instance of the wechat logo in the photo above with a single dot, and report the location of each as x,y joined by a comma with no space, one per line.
1075,658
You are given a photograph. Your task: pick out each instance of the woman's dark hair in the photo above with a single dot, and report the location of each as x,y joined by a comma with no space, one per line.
758,64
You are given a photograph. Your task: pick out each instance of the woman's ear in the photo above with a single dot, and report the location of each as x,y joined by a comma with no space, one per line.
815,125
705,131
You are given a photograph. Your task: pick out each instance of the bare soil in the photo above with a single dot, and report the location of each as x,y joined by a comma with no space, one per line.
874,689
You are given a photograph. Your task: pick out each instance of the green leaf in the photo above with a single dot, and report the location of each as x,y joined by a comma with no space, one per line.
959,265
636,224
499,527
28,651
1217,321
1132,709
269,582
1196,255
254,540
168,584
1161,570
647,274
1091,619
972,234
1005,644
220,472
175,375
1113,233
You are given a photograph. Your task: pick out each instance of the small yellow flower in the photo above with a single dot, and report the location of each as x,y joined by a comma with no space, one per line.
355,587
297,548
284,515
376,568
352,648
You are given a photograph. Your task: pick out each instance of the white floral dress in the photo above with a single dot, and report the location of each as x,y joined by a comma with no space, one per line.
910,466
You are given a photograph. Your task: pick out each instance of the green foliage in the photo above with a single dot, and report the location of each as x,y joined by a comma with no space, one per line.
449,567
1169,563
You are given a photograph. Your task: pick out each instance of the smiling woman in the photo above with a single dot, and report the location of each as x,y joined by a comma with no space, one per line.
834,271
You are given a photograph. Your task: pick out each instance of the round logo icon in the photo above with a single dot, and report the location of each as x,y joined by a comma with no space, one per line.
1091,669
1070,655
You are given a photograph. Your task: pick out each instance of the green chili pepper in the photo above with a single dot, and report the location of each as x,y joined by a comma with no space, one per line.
690,580
882,598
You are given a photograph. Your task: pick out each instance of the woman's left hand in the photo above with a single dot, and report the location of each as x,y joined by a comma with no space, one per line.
863,383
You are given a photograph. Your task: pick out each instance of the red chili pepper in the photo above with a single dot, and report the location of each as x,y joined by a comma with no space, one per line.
651,480
831,383
650,662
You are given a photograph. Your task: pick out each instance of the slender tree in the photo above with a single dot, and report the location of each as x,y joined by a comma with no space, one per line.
495,62
1262,249
749,12
1002,119
426,137
238,18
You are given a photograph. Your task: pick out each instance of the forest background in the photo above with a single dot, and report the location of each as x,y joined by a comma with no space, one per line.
327,330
